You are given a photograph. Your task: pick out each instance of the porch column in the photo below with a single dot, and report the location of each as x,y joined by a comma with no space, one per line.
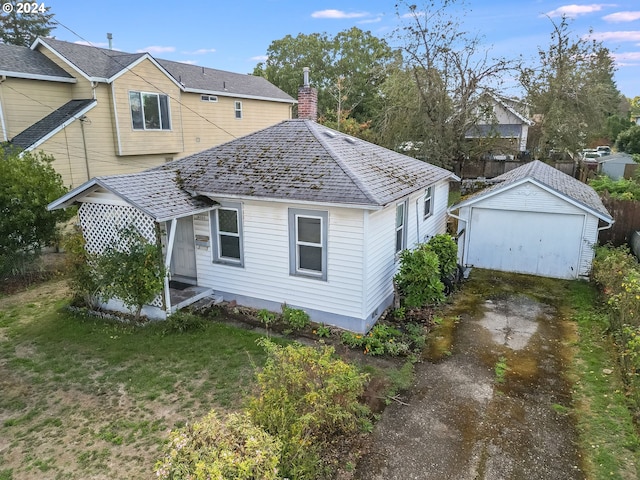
167,262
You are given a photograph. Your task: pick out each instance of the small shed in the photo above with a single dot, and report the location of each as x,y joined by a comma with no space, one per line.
614,165
535,220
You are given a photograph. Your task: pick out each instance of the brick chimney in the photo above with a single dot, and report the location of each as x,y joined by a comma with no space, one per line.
307,99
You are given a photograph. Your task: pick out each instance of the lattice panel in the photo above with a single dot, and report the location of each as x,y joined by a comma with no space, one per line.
101,224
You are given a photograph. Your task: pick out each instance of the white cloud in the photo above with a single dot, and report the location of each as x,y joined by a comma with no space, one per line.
576,10
156,49
188,62
370,20
628,36
259,58
625,58
622,17
412,15
201,51
338,14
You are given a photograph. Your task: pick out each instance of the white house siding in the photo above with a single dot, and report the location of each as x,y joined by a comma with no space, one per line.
381,261
528,197
264,280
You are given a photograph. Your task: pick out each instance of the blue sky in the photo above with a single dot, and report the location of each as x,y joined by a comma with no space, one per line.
235,35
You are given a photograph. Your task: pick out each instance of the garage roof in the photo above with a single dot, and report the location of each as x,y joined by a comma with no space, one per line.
552,180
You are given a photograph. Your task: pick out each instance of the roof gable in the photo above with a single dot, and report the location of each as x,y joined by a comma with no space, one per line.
22,62
549,178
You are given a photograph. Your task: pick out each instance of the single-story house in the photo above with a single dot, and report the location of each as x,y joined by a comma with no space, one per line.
614,165
534,220
295,213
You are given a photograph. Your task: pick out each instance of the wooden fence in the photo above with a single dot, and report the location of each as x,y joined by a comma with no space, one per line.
626,214
493,168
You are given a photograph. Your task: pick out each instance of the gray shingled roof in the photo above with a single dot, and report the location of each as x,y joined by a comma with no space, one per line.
304,161
93,61
104,63
48,124
550,177
155,192
211,80
23,60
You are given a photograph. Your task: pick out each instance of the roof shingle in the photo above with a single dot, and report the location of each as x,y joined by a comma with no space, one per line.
23,60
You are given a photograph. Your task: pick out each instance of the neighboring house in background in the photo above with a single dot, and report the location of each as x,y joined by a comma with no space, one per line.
614,165
501,124
535,220
296,213
100,111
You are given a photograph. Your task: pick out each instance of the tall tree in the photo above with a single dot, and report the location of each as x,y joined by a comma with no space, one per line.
571,90
23,22
346,69
431,98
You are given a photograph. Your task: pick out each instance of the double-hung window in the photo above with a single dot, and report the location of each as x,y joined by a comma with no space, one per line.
428,202
238,109
308,243
149,111
401,226
227,226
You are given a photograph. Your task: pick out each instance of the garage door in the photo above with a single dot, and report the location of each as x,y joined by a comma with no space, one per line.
546,244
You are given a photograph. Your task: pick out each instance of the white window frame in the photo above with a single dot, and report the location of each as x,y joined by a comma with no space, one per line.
209,98
161,118
295,243
402,228
217,234
427,202
238,109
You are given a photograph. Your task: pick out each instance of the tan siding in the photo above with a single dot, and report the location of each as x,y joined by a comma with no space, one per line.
207,124
68,150
24,102
82,88
146,77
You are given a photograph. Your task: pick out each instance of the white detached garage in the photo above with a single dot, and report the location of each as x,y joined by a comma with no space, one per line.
535,220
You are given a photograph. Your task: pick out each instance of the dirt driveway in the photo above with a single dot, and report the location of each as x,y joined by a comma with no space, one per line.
494,407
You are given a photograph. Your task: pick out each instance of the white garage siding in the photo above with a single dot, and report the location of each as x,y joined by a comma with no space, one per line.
528,229
264,280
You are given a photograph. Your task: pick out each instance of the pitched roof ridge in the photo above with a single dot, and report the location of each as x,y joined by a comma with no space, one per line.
336,158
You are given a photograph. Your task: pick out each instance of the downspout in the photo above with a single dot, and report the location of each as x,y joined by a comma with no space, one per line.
84,143
2,124
460,219
94,85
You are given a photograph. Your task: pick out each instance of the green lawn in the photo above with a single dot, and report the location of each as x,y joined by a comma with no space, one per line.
82,397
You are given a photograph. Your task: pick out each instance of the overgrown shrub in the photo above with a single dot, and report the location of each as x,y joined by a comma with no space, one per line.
418,279
28,183
446,248
131,269
382,339
80,269
182,321
623,189
307,397
232,448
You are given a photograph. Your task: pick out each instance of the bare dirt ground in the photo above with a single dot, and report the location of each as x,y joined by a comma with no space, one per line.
495,408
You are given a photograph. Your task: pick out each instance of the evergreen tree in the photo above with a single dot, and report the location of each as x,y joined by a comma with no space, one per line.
25,22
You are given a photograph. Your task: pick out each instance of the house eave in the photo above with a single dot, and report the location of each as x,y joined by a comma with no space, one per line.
35,76
237,95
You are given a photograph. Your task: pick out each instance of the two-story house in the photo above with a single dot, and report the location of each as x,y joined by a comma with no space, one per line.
101,111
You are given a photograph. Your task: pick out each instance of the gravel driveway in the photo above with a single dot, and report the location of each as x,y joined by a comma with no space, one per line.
466,421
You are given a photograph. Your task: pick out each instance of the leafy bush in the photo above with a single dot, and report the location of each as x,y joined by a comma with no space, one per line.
419,277
232,448
181,322
131,269
295,318
629,140
79,265
624,189
306,398
28,183
446,248
381,340
267,318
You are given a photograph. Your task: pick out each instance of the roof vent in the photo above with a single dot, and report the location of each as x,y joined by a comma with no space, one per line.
350,140
330,134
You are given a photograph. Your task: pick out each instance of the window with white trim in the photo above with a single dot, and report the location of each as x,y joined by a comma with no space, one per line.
226,222
238,109
149,111
428,202
401,226
308,243
209,98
